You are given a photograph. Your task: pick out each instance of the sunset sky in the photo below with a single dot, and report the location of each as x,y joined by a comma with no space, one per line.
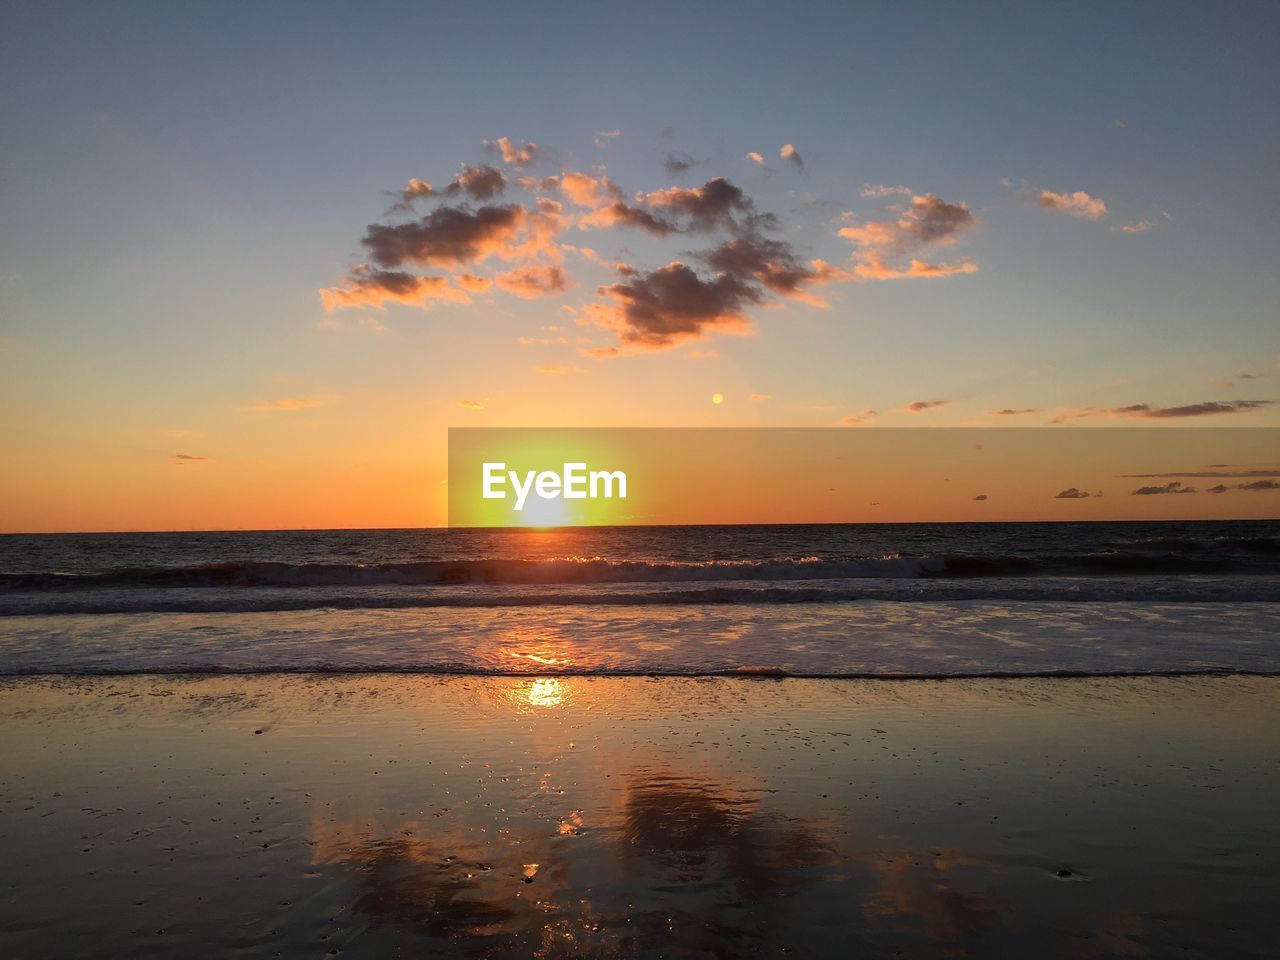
255,260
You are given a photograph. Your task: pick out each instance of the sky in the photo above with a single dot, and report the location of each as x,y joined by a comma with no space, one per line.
257,259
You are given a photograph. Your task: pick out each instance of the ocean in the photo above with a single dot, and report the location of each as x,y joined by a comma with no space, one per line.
850,600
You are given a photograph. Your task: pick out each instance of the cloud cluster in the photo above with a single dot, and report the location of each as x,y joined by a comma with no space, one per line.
890,249
1173,486
1147,411
489,231
1072,493
1253,485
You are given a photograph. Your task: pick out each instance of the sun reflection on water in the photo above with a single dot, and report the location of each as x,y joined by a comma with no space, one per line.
544,692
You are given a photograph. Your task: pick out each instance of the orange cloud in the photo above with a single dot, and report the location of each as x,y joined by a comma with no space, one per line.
1077,204
374,288
873,268
536,281
515,154
471,404
586,191
791,155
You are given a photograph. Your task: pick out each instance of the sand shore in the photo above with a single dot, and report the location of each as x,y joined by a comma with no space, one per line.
379,816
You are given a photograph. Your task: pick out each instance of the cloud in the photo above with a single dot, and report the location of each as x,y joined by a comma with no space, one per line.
758,397
482,183
1071,493
774,265
702,209
1010,412
605,137
584,190
452,236
624,214
1077,204
1147,411
533,282
981,496
367,287
927,222
415,190
857,419
873,268
1142,226
448,252
879,190
755,157
919,406
1253,485
791,155
1173,486
677,164
515,154
182,458
555,370
471,404
671,304
287,404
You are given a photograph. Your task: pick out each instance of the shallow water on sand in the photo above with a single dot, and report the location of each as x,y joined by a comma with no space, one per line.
374,816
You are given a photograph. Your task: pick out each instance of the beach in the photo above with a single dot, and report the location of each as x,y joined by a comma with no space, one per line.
384,815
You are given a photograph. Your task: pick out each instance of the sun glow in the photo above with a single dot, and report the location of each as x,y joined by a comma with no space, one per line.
544,692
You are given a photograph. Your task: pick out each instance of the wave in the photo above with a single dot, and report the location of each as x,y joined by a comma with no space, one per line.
746,671
1062,590
1259,555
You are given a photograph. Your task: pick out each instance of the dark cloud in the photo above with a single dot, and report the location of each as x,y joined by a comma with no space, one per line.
187,458
1259,485
1219,488
1009,412
771,263
919,406
482,183
703,209
661,307
981,496
624,214
1071,493
1173,486
1204,409
447,235
677,164
1147,411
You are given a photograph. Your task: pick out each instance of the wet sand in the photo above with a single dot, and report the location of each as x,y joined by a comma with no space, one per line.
384,816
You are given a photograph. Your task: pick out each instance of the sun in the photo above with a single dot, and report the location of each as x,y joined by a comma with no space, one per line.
538,512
